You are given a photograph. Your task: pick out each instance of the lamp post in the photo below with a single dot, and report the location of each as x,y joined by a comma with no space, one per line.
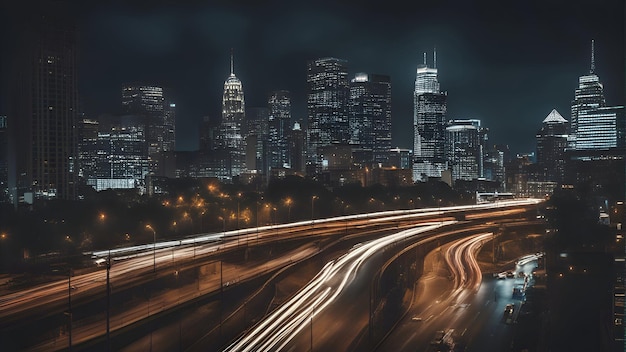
149,227
238,199
288,202
313,198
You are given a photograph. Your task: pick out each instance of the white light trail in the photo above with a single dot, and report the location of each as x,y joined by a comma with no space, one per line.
282,325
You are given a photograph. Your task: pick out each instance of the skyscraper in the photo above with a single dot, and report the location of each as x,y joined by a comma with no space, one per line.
43,103
595,152
279,104
169,127
297,150
551,145
464,149
233,114
370,114
146,103
588,96
257,139
429,123
327,105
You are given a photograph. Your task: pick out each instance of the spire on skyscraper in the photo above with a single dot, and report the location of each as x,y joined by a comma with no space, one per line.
424,59
593,58
232,69
435,57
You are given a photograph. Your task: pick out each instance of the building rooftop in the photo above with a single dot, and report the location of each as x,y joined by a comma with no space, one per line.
554,117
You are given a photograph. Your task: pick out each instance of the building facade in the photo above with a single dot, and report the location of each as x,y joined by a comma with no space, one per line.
464,149
429,124
551,144
327,106
279,104
369,114
43,105
230,135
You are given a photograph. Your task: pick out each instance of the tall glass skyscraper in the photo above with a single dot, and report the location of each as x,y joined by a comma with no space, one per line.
464,149
370,114
233,115
588,96
429,124
43,103
327,104
146,102
279,104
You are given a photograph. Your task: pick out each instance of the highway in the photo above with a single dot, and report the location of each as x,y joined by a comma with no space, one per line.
133,265
279,328
470,306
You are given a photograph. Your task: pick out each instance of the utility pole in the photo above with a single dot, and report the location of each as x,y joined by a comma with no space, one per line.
69,307
108,302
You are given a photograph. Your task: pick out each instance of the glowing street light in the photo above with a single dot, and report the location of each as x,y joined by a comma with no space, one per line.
288,203
313,198
149,227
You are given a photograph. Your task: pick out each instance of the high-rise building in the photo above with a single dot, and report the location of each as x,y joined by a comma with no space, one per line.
464,149
551,145
327,105
257,139
297,150
429,123
43,103
122,159
87,131
279,104
231,136
146,102
169,127
595,153
369,116
589,96
493,165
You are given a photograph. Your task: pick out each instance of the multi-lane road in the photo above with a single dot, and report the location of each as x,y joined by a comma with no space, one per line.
135,265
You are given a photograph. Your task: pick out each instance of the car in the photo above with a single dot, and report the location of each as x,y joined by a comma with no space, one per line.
416,318
508,310
510,274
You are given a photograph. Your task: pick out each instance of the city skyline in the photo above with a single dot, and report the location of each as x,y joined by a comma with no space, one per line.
499,65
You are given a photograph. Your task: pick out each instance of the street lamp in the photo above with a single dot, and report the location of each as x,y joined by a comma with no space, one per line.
238,199
313,198
153,247
288,202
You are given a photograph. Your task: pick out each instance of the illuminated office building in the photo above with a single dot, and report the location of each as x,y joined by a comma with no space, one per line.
464,149
279,104
429,123
121,159
230,135
169,127
551,144
327,105
146,103
370,114
589,96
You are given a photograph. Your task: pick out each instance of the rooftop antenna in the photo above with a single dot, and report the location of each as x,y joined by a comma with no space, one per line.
232,70
424,59
435,57
593,58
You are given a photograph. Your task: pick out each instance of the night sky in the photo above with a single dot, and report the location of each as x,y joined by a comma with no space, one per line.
508,63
